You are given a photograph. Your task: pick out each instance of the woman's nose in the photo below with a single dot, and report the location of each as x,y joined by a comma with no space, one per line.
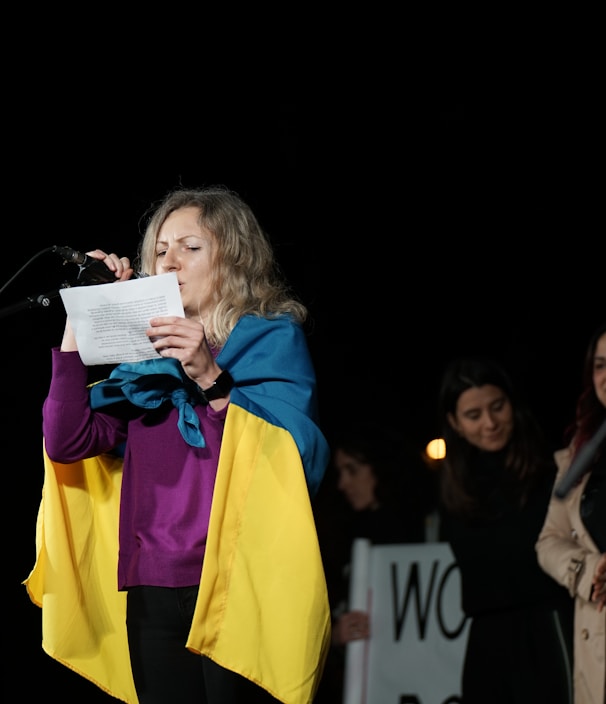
169,261
491,419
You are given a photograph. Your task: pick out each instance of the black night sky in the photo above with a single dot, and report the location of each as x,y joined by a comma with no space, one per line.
435,205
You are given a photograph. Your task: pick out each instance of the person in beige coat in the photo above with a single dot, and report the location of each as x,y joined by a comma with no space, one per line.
571,546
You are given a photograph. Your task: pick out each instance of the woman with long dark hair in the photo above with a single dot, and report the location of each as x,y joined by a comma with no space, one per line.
495,484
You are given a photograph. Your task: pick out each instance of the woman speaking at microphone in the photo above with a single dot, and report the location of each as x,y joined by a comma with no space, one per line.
177,556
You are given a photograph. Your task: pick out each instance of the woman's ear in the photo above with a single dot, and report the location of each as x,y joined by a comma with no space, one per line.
452,421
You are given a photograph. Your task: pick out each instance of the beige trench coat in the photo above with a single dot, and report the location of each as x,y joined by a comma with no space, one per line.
567,553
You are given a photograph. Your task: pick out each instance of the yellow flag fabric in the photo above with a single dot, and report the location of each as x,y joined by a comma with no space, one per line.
74,577
262,608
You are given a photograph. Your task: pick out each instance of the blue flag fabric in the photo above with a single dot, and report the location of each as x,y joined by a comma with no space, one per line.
148,385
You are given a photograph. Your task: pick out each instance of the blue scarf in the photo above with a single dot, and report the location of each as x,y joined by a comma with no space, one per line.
148,385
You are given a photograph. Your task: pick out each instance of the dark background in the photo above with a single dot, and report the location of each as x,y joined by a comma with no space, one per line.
427,196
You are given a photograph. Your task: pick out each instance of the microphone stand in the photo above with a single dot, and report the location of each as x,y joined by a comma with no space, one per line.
41,301
87,274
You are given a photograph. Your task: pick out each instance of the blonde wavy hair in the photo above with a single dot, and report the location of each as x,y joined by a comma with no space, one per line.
246,277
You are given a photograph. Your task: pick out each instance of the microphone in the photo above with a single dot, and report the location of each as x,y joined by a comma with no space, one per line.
578,467
92,271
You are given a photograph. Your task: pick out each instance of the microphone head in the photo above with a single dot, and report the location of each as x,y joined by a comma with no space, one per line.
70,255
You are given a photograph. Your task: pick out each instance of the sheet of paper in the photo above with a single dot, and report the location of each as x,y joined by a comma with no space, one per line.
110,320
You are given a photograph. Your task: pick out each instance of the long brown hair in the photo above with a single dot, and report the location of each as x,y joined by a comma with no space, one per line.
590,413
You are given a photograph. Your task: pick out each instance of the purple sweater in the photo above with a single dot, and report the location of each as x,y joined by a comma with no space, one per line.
167,485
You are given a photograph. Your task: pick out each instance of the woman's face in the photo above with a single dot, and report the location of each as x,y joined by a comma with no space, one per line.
356,480
599,370
484,417
183,247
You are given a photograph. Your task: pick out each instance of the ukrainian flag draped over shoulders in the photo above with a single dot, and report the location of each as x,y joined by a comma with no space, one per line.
262,608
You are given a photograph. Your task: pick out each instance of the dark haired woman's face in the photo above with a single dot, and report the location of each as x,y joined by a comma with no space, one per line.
599,370
484,417
356,480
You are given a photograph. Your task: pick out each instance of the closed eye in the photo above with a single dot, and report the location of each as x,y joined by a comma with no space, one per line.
190,248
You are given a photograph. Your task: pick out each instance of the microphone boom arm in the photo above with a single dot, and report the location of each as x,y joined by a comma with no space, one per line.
41,301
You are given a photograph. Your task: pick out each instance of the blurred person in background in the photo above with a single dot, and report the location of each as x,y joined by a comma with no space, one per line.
378,488
572,543
495,484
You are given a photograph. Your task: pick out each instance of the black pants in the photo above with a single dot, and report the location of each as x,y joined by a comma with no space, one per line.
165,672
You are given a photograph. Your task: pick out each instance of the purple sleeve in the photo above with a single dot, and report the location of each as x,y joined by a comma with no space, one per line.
71,430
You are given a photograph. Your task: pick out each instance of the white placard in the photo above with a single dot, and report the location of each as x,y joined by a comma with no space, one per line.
418,630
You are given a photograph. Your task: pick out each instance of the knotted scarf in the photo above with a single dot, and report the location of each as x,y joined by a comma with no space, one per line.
149,384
